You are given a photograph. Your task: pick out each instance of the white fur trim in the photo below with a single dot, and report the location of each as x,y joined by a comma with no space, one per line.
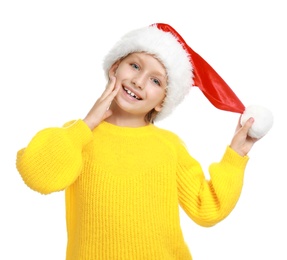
168,51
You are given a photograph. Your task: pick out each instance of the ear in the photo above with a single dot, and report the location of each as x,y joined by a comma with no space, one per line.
113,68
159,107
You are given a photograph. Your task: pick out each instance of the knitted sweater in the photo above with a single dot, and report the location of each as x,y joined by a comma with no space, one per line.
124,187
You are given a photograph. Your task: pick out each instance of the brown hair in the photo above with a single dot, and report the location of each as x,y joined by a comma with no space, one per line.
150,116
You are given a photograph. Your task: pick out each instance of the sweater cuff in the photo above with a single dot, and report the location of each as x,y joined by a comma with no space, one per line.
233,158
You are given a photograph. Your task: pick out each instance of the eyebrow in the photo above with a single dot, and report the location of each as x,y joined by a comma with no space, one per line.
156,73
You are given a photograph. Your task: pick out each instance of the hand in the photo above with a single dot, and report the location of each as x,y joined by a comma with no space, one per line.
241,142
100,110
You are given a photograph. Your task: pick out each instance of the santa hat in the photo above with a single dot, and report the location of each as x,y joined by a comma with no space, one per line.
185,68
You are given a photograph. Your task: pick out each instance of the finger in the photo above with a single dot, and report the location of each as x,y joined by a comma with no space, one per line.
110,97
238,126
109,89
107,98
116,89
248,124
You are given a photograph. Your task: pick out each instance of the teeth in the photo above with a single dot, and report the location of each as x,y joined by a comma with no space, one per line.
131,93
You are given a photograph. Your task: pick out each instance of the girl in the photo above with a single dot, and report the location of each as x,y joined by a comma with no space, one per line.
123,177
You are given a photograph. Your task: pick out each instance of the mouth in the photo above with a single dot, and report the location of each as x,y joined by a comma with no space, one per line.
132,94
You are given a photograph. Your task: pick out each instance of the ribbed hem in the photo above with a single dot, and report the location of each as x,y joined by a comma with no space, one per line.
232,157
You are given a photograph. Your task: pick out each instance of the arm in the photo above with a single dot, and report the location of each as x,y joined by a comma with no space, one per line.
209,201
53,159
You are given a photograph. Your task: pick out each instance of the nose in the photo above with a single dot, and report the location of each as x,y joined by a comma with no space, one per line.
138,82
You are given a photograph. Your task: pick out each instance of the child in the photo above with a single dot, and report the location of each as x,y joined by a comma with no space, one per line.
123,177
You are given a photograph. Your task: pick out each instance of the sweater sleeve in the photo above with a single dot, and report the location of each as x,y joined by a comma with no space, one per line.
208,201
53,159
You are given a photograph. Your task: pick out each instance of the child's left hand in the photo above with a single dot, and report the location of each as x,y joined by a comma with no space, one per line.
241,141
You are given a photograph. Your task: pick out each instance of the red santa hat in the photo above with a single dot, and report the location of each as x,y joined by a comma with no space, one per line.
185,68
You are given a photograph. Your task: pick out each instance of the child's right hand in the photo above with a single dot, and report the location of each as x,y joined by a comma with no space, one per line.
100,110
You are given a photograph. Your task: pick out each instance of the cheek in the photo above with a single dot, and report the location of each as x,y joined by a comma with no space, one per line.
161,93
159,96
118,71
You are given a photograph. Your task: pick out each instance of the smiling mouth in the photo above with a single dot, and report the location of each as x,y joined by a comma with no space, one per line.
131,94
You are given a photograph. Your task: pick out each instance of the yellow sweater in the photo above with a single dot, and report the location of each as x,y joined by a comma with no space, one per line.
124,187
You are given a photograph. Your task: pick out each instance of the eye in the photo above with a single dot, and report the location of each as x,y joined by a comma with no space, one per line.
156,81
135,66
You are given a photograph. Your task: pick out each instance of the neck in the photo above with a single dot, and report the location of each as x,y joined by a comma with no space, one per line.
125,119
125,122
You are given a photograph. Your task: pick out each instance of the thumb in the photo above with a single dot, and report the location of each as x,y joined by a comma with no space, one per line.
247,125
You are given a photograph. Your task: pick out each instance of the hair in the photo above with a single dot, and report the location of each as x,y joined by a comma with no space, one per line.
150,116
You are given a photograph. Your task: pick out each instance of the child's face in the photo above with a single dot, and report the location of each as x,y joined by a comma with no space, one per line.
143,83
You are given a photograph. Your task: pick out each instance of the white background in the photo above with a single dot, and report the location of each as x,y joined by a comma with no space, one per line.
51,55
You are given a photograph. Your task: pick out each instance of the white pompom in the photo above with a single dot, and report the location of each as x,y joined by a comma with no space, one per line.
263,120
